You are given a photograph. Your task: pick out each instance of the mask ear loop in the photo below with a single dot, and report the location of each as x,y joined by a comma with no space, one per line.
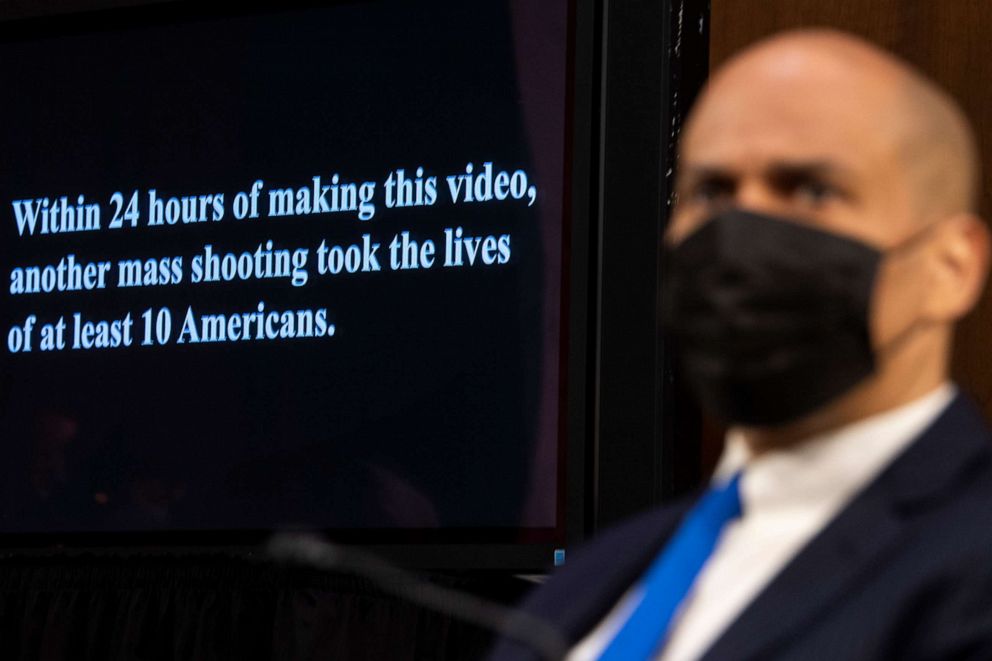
912,240
905,245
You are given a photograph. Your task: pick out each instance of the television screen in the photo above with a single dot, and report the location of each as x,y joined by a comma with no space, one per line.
293,267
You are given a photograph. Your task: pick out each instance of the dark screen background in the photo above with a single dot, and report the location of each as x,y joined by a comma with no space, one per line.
434,406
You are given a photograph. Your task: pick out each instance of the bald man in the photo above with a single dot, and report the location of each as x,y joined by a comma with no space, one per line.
823,246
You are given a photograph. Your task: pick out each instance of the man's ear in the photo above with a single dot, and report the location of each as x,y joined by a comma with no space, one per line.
959,267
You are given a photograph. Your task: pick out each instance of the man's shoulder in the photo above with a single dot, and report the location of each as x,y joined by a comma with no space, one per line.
948,469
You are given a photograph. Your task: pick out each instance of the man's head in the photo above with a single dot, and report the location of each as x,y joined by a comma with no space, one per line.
824,128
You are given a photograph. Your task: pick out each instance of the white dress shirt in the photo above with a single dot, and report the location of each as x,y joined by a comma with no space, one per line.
787,497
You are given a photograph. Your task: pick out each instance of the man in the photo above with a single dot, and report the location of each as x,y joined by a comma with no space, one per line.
823,246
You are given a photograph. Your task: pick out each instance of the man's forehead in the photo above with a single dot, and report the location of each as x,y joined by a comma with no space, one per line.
800,94
774,120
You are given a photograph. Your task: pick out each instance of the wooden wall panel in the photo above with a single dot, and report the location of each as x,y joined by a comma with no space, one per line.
951,41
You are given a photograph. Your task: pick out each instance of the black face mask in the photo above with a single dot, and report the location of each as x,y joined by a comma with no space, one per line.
771,316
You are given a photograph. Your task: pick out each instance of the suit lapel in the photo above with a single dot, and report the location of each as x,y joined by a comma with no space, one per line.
860,538
820,574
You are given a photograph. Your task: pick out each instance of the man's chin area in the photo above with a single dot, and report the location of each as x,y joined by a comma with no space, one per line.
870,396
846,408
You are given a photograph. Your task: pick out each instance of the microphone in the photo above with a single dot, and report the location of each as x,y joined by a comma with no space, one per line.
522,627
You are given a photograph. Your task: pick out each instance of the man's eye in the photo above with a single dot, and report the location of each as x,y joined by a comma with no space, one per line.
814,192
708,192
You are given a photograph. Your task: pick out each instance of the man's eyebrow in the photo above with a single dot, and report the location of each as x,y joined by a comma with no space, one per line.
706,173
782,171
809,170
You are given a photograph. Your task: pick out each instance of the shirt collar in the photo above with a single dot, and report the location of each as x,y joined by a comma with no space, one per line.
829,467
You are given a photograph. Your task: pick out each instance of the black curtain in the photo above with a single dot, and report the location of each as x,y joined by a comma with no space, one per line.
169,608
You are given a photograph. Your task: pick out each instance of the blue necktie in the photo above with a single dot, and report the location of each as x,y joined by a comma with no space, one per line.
672,574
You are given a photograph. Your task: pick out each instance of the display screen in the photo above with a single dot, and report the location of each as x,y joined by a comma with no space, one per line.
290,268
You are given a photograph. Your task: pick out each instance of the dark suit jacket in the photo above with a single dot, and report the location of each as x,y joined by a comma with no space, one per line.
903,572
